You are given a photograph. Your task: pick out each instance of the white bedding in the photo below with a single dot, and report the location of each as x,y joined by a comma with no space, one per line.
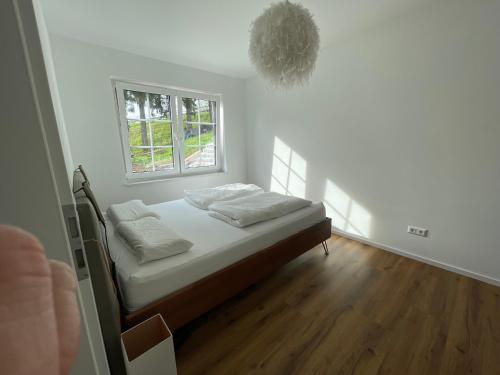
150,239
129,211
216,245
255,208
202,198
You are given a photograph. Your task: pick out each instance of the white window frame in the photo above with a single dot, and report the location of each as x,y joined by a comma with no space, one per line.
176,95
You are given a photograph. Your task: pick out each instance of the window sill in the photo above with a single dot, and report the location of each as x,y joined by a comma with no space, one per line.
147,180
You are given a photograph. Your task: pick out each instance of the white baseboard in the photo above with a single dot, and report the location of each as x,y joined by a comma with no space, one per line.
407,254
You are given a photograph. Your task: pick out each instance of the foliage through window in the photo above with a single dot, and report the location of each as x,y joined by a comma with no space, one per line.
168,132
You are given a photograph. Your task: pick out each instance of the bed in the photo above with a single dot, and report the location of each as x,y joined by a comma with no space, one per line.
223,261
216,246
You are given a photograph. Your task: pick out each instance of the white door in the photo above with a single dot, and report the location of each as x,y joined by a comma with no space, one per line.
35,190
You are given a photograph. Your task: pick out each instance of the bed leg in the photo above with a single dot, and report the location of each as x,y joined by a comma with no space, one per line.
325,247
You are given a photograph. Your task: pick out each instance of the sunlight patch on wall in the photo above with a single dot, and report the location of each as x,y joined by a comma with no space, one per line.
279,178
347,214
289,171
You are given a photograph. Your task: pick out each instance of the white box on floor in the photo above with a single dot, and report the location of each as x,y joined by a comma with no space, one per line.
148,348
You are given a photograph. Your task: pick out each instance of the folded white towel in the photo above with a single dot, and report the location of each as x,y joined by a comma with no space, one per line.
202,198
249,210
150,239
128,211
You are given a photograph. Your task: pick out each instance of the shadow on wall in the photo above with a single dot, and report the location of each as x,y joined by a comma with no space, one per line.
289,176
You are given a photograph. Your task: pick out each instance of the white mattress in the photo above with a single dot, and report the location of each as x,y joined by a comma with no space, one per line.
216,245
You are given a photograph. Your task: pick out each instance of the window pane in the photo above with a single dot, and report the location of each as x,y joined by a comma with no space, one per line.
200,157
189,109
138,133
207,135
189,150
208,111
141,160
213,111
163,158
191,134
192,157
135,104
207,156
159,106
204,109
162,132
199,118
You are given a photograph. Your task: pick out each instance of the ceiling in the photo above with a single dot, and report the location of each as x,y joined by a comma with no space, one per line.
210,35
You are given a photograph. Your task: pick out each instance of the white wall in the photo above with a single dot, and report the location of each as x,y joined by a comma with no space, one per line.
34,182
84,74
62,134
400,125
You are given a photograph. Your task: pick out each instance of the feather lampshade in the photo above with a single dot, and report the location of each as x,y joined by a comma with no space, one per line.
284,44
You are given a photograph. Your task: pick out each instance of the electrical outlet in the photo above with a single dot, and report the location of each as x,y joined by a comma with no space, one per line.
422,232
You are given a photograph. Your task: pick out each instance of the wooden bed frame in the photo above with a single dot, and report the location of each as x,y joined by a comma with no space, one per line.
193,300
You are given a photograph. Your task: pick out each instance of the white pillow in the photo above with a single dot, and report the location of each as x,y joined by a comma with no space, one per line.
131,210
150,239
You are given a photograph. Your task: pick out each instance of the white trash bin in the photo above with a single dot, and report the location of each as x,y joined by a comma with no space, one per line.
148,348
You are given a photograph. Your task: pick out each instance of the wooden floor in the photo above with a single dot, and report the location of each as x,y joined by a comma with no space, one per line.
358,311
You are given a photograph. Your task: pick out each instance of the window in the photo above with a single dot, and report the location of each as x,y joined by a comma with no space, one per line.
167,132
